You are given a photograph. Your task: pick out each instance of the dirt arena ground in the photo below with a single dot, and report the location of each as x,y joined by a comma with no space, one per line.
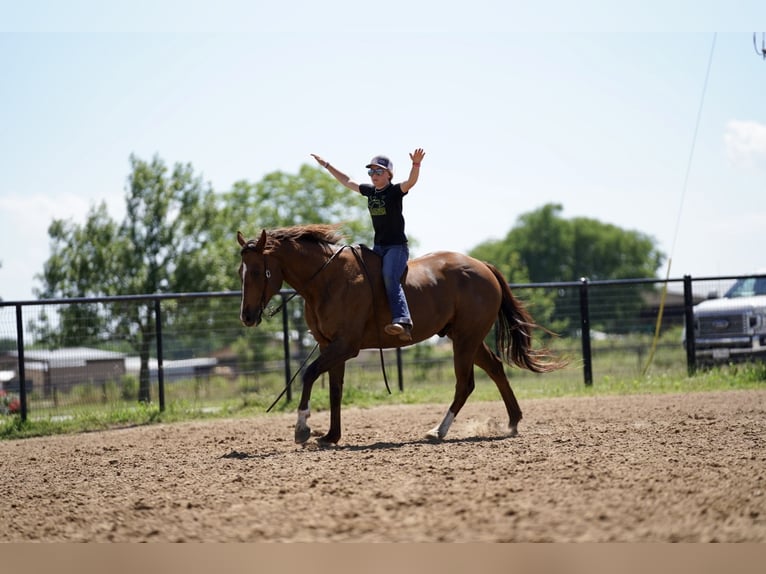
669,468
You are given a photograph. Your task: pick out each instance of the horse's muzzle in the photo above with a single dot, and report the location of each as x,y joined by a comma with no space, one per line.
251,318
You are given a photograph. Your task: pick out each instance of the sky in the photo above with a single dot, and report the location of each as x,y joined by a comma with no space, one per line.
641,116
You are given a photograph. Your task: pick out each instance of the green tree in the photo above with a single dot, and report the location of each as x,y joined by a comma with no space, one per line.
281,199
158,247
177,236
541,303
553,249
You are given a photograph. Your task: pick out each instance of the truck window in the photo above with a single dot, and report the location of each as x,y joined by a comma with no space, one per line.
747,287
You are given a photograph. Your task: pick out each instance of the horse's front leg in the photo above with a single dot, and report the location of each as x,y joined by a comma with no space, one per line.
332,359
336,397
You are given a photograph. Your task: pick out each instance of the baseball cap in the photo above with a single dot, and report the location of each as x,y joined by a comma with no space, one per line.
381,161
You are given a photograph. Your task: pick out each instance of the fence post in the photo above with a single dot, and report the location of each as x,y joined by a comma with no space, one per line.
22,369
160,367
691,349
286,347
585,332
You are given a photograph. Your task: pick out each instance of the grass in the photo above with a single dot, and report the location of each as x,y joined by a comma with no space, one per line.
364,388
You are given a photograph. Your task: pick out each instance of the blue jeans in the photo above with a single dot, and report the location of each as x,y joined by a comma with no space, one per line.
394,264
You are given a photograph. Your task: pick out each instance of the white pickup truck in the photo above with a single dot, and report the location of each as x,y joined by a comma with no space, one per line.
732,328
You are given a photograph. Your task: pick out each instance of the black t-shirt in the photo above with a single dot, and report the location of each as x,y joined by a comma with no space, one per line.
386,211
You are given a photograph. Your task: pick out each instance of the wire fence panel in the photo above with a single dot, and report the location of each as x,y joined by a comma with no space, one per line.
85,366
628,316
191,349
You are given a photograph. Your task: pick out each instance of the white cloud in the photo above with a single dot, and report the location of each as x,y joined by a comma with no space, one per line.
745,143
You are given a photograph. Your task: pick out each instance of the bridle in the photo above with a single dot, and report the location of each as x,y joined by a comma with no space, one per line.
250,246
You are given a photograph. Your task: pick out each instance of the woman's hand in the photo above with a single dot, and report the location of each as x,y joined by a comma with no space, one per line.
417,156
320,161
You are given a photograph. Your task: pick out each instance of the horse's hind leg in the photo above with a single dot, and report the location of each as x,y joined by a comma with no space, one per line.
464,385
493,366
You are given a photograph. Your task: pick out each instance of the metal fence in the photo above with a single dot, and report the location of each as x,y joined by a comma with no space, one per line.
192,347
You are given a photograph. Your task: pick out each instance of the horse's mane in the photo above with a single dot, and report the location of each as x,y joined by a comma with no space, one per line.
320,233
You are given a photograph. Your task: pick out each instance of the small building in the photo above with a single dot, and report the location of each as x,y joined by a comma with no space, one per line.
174,370
62,369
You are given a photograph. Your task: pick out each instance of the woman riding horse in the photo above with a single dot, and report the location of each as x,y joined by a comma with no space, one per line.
384,200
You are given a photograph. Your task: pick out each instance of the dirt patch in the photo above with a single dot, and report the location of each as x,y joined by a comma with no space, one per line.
637,468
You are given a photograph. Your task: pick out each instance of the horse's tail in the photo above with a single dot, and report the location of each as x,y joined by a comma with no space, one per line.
513,336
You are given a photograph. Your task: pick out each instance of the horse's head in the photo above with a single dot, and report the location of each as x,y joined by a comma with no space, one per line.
260,281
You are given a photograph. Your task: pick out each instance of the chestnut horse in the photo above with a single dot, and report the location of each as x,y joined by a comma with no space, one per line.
346,309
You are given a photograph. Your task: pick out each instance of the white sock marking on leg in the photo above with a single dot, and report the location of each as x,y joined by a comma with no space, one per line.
446,424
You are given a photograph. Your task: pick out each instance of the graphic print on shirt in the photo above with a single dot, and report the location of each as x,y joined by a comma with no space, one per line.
377,205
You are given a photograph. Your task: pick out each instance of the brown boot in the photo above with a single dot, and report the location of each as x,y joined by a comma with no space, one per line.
401,330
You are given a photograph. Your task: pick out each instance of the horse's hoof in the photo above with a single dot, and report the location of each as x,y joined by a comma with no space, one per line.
325,441
302,434
433,435
513,431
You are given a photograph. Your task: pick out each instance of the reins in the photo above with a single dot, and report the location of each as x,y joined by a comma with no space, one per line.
286,300
287,386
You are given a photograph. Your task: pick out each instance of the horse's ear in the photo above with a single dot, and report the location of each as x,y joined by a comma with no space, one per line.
261,241
241,239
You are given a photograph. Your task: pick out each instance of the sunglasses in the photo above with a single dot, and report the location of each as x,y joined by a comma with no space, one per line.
376,171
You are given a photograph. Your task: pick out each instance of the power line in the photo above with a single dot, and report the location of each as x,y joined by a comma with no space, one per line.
691,152
680,208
